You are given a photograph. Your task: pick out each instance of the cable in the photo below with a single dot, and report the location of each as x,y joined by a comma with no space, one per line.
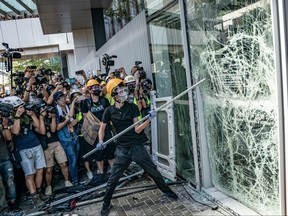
214,208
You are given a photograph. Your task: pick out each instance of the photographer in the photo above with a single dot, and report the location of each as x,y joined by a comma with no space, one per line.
66,133
36,88
132,93
29,147
59,88
54,149
6,166
144,98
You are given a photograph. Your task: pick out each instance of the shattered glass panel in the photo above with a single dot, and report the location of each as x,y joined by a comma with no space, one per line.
231,46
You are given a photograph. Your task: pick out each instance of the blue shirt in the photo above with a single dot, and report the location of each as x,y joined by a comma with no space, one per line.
64,134
26,141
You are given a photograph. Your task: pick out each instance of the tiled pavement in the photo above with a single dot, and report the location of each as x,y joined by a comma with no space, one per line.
148,202
152,202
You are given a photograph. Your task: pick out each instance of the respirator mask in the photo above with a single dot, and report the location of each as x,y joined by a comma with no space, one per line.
96,90
122,94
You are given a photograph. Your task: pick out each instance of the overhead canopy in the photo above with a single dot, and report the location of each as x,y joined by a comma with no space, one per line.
17,7
60,16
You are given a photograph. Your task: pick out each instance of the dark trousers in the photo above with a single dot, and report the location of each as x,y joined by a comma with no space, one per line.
124,156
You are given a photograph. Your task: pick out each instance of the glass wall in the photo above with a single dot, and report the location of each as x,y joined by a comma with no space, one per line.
230,44
169,75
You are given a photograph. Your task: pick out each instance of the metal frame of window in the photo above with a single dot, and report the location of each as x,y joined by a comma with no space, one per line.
280,40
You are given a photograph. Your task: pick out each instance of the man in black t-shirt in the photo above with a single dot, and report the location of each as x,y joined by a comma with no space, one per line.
130,146
96,104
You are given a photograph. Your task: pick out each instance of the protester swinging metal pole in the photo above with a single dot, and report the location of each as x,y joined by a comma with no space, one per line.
145,118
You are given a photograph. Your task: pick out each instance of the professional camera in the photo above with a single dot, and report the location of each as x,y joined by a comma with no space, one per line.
65,84
146,85
47,72
31,107
117,73
33,67
137,63
50,109
108,60
18,78
40,79
79,72
5,110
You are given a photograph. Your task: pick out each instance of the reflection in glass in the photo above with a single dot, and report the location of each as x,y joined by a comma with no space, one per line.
231,46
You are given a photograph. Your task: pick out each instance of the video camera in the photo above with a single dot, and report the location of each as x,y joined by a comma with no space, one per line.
107,60
11,52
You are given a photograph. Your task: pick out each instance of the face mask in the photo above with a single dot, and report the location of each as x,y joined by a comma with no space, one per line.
121,75
122,94
123,98
96,92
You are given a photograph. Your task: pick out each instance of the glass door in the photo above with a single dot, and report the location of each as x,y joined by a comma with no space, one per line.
169,73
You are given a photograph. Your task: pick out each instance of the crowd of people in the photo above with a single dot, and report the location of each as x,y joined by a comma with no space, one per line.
41,122
15,17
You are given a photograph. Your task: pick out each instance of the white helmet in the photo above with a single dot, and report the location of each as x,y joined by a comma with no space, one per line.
75,91
129,79
13,100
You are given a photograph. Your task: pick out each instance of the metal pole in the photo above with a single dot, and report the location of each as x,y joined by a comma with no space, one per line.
145,118
89,190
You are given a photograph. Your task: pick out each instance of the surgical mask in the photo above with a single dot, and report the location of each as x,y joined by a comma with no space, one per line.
122,75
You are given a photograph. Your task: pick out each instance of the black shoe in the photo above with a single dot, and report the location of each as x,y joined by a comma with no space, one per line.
106,209
171,195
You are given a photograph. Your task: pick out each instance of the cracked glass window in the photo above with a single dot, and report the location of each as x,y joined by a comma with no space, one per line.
231,45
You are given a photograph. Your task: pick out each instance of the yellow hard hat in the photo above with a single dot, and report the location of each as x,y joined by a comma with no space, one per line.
92,82
112,84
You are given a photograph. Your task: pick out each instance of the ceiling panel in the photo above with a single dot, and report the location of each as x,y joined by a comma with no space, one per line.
67,15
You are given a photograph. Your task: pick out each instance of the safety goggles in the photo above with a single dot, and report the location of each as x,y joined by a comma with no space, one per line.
95,87
122,91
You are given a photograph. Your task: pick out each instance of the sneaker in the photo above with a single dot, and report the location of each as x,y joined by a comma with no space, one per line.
89,175
68,184
171,195
38,203
48,190
106,209
99,172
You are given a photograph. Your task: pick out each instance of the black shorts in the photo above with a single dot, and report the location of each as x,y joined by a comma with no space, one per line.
108,153
85,147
